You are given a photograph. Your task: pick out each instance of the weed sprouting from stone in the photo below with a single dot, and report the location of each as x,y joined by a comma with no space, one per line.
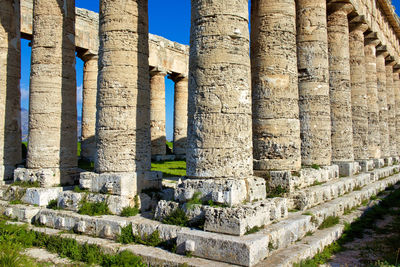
317,183
315,166
253,230
93,208
53,205
195,200
127,236
278,191
129,211
27,184
357,188
329,222
177,217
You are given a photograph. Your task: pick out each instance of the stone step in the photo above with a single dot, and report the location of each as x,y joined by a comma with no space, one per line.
153,256
318,194
248,250
309,246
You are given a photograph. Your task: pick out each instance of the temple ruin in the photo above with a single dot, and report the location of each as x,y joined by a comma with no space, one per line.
280,128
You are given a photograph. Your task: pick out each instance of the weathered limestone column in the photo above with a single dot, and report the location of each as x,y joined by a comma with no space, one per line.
10,74
219,123
88,142
313,67
180,115
382,101
123,98
276,125
219,154
396,82
157,112
391,106
52,110
339,83
359,103
374,147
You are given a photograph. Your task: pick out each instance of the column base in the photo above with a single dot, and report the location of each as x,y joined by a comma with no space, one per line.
163,157
388,161
348,168
228,191
123,184
366,164
379,163
47,177
290,181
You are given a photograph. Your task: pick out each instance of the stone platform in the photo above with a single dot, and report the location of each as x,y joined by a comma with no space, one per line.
225,236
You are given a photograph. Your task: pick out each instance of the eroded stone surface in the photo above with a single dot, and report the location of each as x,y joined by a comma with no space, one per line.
52,105
219,120
10,74
276,126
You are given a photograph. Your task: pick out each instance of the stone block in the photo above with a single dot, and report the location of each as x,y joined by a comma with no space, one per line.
223,191
21,212
238,220
292,181
388,161
41,196
379,163
71,201
366,165
165,208
348,168
45,177
123,184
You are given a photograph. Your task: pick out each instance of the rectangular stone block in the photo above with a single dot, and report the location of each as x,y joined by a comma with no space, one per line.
238,220
379,163
46,177
223,191
366,165
348,168
41,196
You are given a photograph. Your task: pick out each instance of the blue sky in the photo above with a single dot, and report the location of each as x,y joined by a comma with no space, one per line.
170,19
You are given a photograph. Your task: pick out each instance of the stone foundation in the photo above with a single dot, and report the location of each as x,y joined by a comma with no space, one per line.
223,191
47,177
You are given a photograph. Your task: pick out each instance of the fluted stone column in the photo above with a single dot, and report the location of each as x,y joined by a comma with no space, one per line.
340,89
10,74
374,147
88,141
52,108
391,107
276,125
180,115
219,122
123,99
313,67
359,103
157,112
382,102
396,82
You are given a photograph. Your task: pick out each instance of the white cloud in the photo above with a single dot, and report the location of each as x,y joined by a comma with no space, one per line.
79,95
24,92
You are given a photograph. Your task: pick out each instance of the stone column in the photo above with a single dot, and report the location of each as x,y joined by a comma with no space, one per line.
340,89
219,154
219,123
276,125
52,110
157,113
391,106
374,147
10,74
180,115
88,141
123,98
382,103
359,103
396,82
313,67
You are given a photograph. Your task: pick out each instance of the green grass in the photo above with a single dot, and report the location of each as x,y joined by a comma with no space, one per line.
93,208
253,230
170,168
15,238
170,145
329,222
278,191
177,217
53,205
27,184
387,246
127,237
